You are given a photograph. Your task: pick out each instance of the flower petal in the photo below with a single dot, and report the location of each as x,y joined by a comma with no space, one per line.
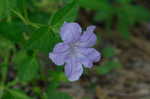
60,48
73,70
92,54
91,28
81,58
88,39
70,32
87,56
86,62
58,58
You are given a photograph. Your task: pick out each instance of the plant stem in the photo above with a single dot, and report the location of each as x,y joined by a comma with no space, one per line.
14,82
4,68
26,21
1,91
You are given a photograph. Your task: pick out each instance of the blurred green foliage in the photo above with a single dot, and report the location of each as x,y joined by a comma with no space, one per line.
123,12
26,65
61,16
108,52
54,94
15,94
108,66
30,29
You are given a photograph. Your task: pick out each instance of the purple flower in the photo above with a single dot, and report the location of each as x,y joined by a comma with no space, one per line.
75,50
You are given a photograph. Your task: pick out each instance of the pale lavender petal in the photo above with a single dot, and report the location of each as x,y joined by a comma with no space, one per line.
86,62
90,53
70,32
91,28
83,59
58,58
61,48
88,39
73,70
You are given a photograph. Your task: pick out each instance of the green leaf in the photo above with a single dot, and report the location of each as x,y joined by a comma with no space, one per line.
108,66
6,6
22,6
135,14
5,46
55,94
42,40
124,23
128,18
103,16
15,94
138,13
124,1
57,76
108,52
13,31
123,28
95,4
27,66
68,14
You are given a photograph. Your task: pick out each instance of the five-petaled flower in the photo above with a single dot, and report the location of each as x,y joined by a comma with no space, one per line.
75,51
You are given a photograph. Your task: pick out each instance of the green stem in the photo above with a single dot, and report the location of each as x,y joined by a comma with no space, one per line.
26,20
14,82
4,70
1,91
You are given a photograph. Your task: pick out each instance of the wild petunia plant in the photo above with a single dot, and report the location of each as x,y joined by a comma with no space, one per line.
29,31
75,50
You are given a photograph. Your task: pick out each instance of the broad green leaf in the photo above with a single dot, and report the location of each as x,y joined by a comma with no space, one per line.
39,17
22,6
123,29
137,13
130,16
52,5
95,4
5,46
124,23
68,13
103,16
57,76
108,51
14,31
15,94
27,66
108,67
42,40
124,1
55,94
6,6
2,8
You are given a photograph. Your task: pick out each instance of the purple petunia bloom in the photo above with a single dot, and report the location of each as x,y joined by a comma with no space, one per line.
75,50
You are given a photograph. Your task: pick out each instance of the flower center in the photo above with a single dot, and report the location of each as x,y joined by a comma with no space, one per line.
73,50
